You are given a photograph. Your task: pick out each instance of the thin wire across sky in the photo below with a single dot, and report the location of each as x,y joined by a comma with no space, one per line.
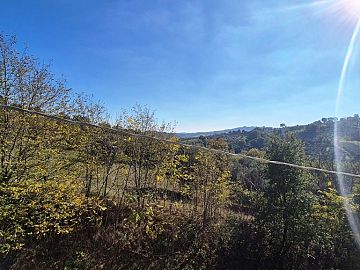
128,133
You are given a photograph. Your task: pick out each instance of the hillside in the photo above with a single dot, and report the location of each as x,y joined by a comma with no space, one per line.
318,137
185,135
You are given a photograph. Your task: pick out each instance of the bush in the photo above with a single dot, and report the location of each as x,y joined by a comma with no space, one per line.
30,210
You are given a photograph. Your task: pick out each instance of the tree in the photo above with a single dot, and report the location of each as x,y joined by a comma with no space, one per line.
211,179
26,141
149,159
286,209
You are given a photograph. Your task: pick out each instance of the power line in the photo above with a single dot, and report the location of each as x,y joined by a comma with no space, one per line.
125,132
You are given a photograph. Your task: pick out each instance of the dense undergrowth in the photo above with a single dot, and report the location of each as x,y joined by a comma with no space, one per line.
126,238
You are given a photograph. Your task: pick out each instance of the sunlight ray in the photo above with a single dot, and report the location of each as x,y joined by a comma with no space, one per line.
303,6
352,218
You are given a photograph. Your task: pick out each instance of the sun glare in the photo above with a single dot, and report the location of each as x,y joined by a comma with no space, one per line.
345,10
352,7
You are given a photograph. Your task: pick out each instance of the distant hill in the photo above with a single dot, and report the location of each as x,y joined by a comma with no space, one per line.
185,135
318,137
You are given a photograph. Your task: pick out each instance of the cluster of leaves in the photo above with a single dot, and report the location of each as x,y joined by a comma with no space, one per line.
32,210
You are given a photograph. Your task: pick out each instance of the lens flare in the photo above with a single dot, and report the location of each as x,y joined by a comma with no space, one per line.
348,13
352,217
352,8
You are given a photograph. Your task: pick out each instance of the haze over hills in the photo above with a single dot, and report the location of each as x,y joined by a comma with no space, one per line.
188,135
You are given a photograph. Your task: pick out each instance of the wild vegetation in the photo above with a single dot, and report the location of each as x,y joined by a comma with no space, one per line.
77,197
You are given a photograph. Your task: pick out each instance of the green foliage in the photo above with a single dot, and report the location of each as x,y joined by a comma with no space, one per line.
332,238
296,225
287,205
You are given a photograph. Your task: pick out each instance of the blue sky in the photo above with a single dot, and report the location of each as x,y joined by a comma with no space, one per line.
208,65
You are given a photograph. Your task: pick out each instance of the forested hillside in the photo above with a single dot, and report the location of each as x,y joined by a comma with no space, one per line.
318,137
190,135
78,192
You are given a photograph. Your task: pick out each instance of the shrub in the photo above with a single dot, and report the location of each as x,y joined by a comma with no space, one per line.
30,210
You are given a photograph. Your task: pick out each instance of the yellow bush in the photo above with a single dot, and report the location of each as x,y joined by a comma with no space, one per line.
31,209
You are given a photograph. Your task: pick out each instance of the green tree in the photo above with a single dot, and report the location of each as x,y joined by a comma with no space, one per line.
287,205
